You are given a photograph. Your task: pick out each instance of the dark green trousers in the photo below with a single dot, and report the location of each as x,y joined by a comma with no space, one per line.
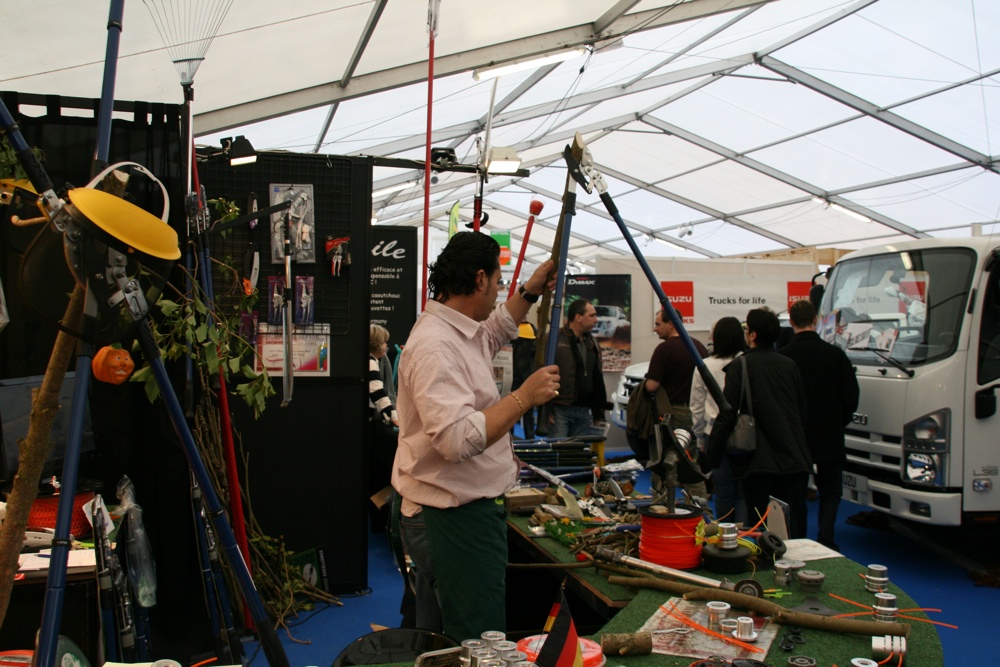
468,547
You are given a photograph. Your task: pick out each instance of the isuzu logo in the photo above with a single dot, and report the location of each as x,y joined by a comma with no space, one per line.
860,419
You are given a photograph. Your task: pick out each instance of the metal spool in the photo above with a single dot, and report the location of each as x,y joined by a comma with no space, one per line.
877,579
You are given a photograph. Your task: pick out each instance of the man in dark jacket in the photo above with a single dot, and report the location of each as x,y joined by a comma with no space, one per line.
781,465
831,389
582,399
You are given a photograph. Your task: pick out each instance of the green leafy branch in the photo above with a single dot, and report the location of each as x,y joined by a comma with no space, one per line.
10,167
188,327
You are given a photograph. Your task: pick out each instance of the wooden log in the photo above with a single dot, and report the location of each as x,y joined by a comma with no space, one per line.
775,611
628,643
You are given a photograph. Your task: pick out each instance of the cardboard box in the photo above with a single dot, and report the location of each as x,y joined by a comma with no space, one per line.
519,498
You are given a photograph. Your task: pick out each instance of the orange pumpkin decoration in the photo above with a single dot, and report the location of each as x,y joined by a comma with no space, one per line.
112,364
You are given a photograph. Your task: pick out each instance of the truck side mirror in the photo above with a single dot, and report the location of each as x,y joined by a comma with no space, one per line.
986,403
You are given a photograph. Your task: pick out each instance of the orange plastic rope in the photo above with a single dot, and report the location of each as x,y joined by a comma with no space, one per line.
758,524
856,604
911,618
927,620
687,621
670,541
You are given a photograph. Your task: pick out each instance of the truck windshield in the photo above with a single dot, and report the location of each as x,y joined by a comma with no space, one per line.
905,306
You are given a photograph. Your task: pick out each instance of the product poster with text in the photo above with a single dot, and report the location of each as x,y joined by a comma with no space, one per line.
310,350
611,296
393,287
700,301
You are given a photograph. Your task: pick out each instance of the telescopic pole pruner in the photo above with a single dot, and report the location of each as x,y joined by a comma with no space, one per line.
584,173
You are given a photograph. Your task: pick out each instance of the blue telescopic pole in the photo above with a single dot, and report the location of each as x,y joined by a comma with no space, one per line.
711,385
48,637
269,641
115,16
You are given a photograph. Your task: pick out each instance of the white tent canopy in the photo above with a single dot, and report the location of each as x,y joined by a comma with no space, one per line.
721,127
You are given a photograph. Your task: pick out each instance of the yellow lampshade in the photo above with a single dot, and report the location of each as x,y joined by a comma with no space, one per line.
126,223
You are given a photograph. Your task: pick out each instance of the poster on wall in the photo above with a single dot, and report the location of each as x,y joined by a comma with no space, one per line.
701,300
300,218
393,288
506,266
611,296
310,350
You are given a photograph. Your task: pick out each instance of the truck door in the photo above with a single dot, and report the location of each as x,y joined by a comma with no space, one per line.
982,422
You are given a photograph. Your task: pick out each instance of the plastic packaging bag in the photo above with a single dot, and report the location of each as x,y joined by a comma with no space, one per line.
141,566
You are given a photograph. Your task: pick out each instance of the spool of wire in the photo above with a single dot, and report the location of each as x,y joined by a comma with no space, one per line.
716,613
885,608
493,636
727,536
480,655
877,579
671,539
503,646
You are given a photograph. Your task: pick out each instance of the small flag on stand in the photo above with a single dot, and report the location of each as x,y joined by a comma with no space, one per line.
562,646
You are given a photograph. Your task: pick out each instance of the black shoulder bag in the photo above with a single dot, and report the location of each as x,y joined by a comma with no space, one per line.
743,440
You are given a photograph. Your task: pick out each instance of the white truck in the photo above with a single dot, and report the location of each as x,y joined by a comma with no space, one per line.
920,321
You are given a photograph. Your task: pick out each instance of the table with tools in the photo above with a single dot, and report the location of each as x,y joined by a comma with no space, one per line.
812,610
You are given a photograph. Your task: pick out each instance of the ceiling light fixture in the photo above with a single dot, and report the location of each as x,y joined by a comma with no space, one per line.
668,243
527,63
847,211
389,189
502,160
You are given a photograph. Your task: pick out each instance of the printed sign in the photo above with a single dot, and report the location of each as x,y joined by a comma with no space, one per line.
681,295
310,350
701,301
611,296
393,282
797,291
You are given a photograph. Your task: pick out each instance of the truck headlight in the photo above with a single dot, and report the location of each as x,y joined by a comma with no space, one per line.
922,468
926,444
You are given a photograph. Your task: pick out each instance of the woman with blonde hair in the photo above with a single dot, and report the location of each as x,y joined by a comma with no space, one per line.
378,343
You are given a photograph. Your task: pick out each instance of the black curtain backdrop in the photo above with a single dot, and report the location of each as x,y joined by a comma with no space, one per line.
132,436
306,462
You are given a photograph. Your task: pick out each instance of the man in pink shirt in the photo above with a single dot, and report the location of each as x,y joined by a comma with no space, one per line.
455,457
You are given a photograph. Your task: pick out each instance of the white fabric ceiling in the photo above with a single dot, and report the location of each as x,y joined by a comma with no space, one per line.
722,127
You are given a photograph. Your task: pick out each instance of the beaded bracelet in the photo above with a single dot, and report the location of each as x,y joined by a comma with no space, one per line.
519,402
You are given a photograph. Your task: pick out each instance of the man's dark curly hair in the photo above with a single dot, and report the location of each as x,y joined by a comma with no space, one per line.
454,272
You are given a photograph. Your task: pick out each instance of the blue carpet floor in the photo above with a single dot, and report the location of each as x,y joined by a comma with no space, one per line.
931,579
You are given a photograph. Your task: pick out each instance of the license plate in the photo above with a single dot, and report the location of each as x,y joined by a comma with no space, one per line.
854,482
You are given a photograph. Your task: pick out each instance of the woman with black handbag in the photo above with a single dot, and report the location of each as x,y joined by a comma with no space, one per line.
781,463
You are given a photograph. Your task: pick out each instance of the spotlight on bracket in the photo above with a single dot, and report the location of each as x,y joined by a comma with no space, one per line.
239,151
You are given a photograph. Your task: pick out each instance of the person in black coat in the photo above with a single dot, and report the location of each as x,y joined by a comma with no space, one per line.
781,464
831,389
